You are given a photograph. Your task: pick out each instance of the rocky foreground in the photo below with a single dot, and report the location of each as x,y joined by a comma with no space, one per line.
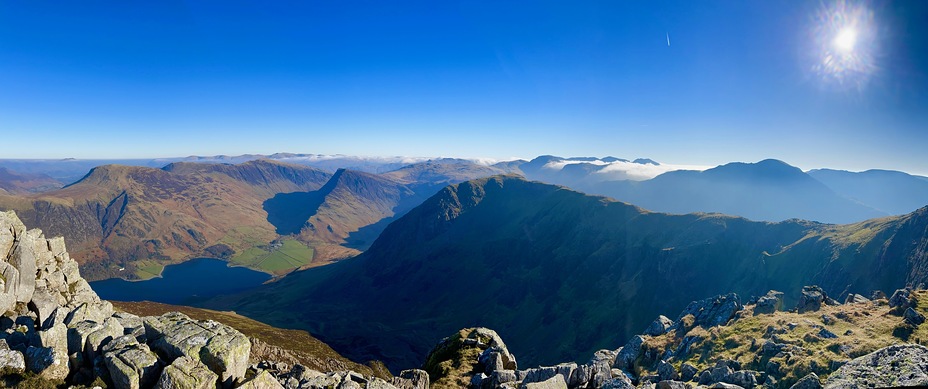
720,343
56,332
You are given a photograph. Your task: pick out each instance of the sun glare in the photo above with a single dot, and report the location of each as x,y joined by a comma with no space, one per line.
844,44
846,39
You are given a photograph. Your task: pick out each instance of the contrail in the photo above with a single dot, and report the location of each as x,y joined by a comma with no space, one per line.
668,39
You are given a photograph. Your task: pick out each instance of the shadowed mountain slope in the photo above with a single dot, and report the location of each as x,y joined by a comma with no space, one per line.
533,260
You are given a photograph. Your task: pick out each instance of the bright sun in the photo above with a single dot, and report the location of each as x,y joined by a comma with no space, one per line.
846,39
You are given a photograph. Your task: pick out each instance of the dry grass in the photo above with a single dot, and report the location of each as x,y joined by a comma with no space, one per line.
860,329
299,346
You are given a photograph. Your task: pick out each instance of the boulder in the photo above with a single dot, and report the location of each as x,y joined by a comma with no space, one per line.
539,374
744,378
47,362
187,373
897,365
264,380
769,303
221,348
78,333
810,381
901,299
687,372
712,311
659,326
11,360
617,383
811,299
913,317
109,330
626,357
672,385
855,299
555,382
131,365
419,379
666,371
724,385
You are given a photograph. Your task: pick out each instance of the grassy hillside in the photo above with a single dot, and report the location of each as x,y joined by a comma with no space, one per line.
531,260
138,218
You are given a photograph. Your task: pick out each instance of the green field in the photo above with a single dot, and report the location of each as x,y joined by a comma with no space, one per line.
289,255
148,269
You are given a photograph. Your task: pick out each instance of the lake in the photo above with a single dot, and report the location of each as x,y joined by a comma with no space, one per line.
192,280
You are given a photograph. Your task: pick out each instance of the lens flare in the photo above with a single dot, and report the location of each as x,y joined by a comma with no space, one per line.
844,46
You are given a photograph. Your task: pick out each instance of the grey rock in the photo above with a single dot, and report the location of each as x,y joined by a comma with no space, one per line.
78,333
555,382
419,379
666,371
131,365
377,383
724,385
478,379
44,304
489,339
186,373
825,334
604,356
811,299
898,365
92,311
769,303
55,337
110,329
687,372
11,360
712,311
264,380
617,383
719,373
673,385
539,374
659,326
346,384
855,299
901,299
810,381
743,378
627,355
222,348
47,362
913,317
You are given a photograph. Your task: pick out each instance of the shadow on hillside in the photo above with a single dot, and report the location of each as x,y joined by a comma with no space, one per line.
288,212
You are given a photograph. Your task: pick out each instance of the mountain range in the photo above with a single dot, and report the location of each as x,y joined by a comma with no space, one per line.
769,190
543,262
129,221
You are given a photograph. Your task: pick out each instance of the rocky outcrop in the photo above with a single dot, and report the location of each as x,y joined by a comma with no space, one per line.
56,327
659,326
893,366
710,312
769,303
812,298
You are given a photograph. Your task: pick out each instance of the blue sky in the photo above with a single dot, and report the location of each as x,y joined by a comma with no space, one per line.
738,82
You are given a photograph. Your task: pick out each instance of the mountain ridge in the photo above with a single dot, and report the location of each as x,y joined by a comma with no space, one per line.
539,249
